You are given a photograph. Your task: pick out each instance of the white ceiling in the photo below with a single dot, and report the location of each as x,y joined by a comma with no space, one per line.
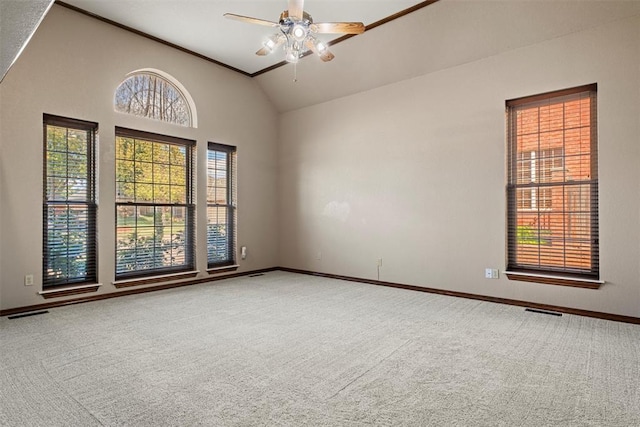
436,37
199,25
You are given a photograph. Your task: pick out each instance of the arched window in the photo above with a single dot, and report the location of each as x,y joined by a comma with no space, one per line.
156,95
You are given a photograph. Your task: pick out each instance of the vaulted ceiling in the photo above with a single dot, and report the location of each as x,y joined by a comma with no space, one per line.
433,37
199,25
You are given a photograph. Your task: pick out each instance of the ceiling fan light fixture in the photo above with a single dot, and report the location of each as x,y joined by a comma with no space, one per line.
320,47
292,56
299,32
270,43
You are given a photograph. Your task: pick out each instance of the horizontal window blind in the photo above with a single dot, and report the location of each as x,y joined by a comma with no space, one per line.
155,212
221,205
552,190
69,208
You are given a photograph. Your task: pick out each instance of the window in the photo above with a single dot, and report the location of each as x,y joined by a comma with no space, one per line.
69,208
147,93
154,204
533,166
552,189
221,205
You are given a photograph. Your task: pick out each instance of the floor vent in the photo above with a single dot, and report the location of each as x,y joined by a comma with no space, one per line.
256,275
535,310
35,313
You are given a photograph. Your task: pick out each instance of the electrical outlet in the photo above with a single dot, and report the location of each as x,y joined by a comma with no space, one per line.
28,280
379,262
243,252
490,273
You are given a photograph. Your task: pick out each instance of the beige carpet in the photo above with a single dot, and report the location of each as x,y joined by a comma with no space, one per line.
287,349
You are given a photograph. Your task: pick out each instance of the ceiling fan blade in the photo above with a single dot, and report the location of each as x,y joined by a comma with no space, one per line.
264,51
296,8
251,20
325,55
337,27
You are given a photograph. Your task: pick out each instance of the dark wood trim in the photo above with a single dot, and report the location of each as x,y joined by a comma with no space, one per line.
270,68
593,87
218,270
526,304
131,291
547,307
65,292
561,281
150,37
385,20
149,280
154,137
400,14
67,122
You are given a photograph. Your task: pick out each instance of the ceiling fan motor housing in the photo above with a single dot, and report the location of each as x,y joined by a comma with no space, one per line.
286,20
296,31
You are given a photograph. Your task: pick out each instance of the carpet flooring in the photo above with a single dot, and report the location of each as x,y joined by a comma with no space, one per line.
296,350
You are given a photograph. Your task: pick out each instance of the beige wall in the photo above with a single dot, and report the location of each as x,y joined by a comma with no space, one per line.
414,173
71,68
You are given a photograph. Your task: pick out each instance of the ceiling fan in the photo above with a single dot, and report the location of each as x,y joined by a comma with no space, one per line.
297,32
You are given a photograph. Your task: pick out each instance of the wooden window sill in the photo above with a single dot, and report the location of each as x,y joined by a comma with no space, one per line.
554,280
224,269
69,290
154,279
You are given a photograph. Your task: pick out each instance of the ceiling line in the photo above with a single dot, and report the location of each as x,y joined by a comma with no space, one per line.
149,36
222,64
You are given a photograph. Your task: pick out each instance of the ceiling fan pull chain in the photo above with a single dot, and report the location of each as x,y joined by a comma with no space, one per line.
295,72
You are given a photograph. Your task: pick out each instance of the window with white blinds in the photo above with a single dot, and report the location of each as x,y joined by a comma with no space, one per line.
552,190
69,208
221,205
